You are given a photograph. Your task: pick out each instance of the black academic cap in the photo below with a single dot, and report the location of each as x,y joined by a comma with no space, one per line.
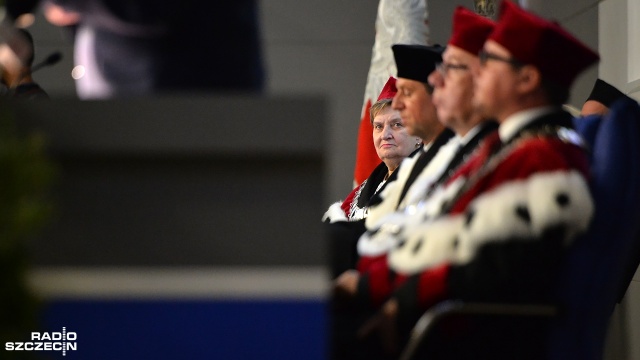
605,93
416,62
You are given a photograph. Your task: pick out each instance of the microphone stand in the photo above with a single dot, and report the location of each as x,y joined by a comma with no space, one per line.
52,59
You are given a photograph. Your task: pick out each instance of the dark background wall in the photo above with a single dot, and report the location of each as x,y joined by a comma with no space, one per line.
183,227
185,189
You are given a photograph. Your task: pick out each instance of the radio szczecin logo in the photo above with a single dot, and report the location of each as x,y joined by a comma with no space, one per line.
46,341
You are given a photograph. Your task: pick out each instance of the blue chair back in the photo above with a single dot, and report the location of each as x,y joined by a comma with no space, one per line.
598,262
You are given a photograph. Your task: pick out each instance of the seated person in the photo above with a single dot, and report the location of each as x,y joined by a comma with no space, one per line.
392,144
415,101
602,96
510,213
453,92
414,64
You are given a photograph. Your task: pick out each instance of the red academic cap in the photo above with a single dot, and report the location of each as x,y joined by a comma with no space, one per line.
470,30
544,44
389,90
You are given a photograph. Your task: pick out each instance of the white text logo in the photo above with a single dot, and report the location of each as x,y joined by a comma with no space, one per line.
46,341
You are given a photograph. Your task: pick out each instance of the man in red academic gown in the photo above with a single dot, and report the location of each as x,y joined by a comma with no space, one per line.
510,213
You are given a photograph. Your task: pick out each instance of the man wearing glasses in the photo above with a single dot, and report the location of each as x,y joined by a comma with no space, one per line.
508,215
453,83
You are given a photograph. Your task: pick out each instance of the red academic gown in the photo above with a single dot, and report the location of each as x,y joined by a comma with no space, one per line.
508,216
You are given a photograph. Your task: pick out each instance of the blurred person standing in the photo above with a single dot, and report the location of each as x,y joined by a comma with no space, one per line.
16,72
143,47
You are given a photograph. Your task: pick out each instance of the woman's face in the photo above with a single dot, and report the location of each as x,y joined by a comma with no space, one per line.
390,137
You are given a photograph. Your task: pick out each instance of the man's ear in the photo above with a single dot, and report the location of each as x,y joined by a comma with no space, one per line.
529,78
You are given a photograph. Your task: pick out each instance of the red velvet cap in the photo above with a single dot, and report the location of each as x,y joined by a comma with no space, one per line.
470,30
530,39
389,90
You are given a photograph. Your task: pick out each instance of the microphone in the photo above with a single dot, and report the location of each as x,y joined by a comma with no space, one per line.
52,59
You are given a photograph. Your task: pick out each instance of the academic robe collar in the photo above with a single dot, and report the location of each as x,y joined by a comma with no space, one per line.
516,122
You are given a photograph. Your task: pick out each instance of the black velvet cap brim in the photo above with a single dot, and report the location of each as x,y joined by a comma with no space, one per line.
605,93
416,62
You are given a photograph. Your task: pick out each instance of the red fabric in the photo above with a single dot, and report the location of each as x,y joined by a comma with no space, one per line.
470,30
366,262
389,90
533,40
432,286
532,156
346,204
366,156
382,282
